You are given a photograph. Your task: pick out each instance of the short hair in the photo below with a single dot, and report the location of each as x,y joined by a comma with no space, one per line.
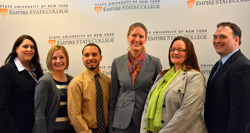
92,44
191,59
35,60
51,53
235,28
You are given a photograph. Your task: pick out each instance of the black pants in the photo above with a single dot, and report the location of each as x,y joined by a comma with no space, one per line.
72,130
95,130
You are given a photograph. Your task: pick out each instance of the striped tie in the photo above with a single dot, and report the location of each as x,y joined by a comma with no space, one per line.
99,106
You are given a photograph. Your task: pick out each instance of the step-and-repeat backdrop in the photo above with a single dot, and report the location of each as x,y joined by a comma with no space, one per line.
76,23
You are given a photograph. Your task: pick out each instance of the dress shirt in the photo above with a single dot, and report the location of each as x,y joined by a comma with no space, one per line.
82,100
224,59
20,68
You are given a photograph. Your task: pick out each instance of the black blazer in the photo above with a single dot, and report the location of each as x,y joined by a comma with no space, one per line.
227,106
16,100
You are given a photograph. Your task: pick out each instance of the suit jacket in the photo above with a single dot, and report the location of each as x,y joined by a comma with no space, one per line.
183,104
127,101
16,100
227,106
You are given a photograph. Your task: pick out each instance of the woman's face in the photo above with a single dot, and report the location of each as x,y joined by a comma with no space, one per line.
136,39
177,55
59,61
25,51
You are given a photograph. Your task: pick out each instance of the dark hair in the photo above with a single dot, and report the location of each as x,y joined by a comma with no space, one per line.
191,59
51,53
35,60
235,28
93,44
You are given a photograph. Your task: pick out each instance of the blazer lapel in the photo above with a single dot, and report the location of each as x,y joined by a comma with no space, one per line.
24,72
155,84
124,68
177,79
222,69
142,69
226,65
27,75
213,71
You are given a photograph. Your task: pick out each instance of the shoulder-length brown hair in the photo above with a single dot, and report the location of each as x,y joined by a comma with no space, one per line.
191,61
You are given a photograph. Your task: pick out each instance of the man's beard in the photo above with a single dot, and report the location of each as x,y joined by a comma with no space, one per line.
93,68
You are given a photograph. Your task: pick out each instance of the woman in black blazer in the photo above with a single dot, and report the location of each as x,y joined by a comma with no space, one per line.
18,78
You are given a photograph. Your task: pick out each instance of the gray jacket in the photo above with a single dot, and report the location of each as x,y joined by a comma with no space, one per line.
127,101
47,103
183,104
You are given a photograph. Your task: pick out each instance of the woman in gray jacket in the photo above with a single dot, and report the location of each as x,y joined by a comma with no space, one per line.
132,76
175,101
51,114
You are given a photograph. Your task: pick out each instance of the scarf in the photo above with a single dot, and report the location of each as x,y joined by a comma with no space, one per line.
153,117
134,65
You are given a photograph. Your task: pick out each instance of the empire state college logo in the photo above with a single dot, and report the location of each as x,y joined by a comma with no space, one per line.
52,43
98,9
190,3
3,12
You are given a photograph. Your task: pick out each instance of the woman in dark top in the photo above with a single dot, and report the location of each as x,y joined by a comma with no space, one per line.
51,114
18,78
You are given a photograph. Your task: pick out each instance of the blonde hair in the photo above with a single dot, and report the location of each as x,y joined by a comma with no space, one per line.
138,24
50,55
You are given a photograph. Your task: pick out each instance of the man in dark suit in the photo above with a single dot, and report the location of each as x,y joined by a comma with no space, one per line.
227,106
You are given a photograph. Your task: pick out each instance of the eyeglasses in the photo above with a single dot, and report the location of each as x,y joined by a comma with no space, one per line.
178,50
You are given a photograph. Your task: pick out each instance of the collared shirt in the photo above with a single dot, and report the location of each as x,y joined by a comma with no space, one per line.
224,59
82,100
20,68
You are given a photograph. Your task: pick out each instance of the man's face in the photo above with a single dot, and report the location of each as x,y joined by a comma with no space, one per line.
224,41
91,58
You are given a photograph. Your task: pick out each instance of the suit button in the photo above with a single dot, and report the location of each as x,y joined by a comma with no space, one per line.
179,91
163,106
162,121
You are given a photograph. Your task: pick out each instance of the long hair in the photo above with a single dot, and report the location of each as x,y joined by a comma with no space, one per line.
35,60
191,61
